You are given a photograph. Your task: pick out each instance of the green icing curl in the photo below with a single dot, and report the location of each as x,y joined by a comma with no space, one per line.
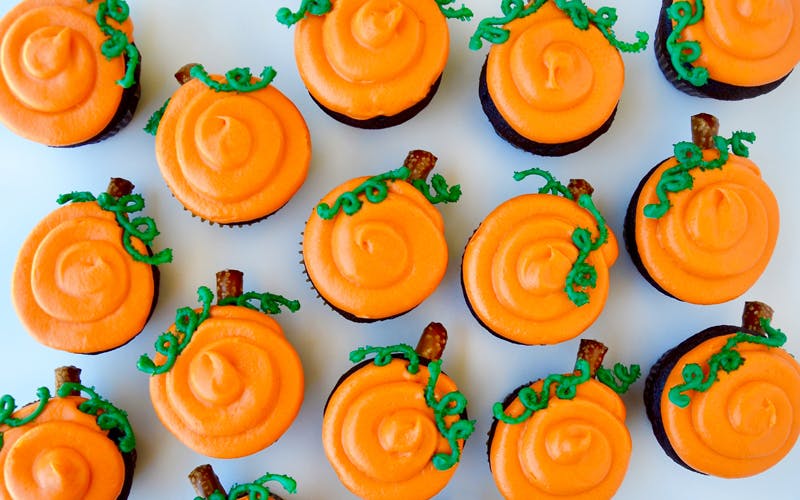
552,186
8,406
109,417
442,192
727,359
238,79
462,14
690,156
286,17
452,404
383,355
268,303
154,120
117,42
255,490
684,53
621,378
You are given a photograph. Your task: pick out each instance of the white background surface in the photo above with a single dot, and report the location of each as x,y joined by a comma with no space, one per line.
638,323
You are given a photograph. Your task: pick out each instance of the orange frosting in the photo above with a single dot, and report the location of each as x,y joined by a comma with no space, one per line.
716,239
56,87
62,455
746,422
515,270
380,436
236,387
232,157
748,42
369,58
75,287
382,261
551,81
576,449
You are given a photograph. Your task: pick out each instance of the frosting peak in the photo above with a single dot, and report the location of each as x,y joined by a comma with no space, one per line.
63,473
214,378
377,22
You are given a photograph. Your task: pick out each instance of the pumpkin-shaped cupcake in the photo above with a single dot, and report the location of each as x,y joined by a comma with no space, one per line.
372,63
208,486
85,280
226,382
69,71
564,437
726,401
376,260
68,446
394,427
233,149
727,49
702,225
552,80
536,271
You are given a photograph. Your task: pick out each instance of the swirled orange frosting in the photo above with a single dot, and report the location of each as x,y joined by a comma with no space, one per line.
748,42
551,81
56,87
380,436
232,157
62,455
746,422
573,449
716,239
370,58
235,389
75,287
515,270
382,261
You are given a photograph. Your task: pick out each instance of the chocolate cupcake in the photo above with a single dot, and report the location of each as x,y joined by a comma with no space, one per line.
726,401
208,486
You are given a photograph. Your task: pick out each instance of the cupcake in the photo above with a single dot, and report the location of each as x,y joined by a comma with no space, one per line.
232,149
68,446
564,437
727,50
702,225
726,401
69,74
208,486
394,427
377,260
85,280
225,381
553,78
372,63
536,271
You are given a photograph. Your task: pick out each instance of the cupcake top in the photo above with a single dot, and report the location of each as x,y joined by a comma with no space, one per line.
64,67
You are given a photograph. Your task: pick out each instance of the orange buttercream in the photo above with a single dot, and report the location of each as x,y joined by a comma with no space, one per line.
380,436
515,270
236,387
573,449
75,287
746,422
56,87
232,157
62,455
370,58
382,261
747,42
552,82
716,239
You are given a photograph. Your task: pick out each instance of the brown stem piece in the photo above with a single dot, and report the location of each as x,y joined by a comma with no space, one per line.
205,481
66,374
752,315
432,341
119,187
704,128
593,352
420,162
577,187
183,75
230,283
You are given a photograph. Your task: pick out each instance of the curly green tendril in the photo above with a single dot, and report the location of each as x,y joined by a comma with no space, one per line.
684,53
383,355
143,228
286,17
8,406
109,417
237,79
552,186
154,120
255,490
491,29
462,14
117,42
621,378
727,359
268,303
690,156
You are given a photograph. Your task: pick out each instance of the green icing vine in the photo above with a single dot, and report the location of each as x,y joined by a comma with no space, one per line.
683,54
108,416
491,29
314,7
8,406
442,192
268,303
152,124
143,228
690,156
237,79
383,355
553,186
255,490
462,14
621,378
727,359
452,404
117,41
170,344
